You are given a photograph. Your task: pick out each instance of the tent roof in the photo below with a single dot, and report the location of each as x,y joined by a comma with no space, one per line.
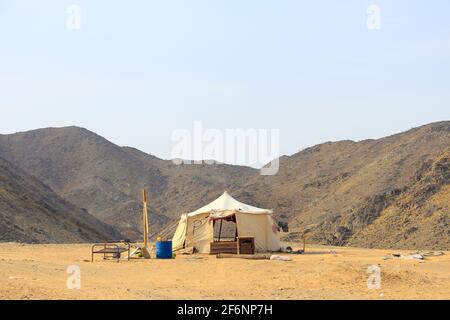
227,203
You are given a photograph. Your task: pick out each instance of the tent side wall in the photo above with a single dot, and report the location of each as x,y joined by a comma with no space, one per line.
180,234
199,233
273,237
261,227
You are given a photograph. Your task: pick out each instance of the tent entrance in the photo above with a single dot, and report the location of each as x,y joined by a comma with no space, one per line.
225,236
225,229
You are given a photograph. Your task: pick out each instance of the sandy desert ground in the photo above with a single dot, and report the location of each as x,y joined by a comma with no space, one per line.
39,272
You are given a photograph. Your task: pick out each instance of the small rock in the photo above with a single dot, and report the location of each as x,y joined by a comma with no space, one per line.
280,258
414,257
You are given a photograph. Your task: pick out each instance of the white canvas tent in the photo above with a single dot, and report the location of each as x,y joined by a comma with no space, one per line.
196,229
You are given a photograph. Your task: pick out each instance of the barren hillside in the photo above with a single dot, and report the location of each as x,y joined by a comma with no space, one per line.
31,212
107,180
390,192
337,189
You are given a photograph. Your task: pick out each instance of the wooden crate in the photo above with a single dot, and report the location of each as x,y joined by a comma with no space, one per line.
246,245
224,247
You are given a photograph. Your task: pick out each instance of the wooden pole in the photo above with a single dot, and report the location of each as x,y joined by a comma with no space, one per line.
145,251
145,216
304,241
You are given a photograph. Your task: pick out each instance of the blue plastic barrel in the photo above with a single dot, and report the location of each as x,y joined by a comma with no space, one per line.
164,250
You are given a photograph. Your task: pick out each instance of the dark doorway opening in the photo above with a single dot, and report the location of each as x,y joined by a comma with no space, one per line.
225,229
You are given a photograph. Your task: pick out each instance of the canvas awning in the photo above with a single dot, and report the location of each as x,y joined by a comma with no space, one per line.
226,205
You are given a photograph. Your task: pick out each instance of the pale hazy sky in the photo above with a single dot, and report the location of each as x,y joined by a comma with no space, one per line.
137,70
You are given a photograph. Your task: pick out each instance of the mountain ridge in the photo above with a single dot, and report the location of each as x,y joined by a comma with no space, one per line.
327,189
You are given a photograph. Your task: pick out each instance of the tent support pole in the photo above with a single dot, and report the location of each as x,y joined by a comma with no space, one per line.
220,230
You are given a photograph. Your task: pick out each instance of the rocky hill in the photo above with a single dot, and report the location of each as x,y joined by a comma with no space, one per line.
337,190
418,216
368,193
107,180
31,212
